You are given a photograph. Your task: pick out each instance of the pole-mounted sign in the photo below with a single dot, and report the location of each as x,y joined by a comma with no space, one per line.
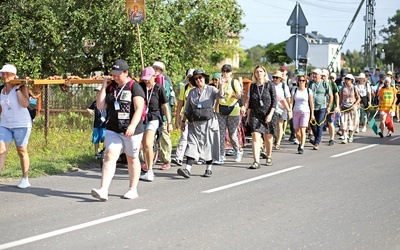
297,22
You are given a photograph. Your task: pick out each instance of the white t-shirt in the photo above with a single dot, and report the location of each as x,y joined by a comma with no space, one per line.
300,98
13,115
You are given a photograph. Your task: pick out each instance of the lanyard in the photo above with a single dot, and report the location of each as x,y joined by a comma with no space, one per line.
262,90
119,93
147,94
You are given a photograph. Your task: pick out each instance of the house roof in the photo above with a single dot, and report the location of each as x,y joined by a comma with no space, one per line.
315,38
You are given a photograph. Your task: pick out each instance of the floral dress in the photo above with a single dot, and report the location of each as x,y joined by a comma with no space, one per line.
262,100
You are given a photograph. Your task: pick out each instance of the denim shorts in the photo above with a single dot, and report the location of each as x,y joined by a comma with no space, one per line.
152,125
20,135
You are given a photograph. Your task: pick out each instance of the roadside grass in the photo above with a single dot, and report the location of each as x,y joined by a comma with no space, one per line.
68,147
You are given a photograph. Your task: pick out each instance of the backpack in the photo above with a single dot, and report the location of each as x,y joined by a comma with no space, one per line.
130,84
31,107
308,94
169,90
241,100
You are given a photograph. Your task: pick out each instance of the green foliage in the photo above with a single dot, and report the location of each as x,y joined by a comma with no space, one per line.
392,40
45,37
354,61
276,53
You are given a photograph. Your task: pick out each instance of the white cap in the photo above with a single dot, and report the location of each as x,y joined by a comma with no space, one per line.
9,68
334,75
190,72
350,76
325,72
361,75
159,65
317,71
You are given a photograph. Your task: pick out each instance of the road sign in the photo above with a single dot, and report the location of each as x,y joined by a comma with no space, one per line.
302,47
297,21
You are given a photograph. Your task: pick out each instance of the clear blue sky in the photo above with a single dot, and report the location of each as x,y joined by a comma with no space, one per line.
266,20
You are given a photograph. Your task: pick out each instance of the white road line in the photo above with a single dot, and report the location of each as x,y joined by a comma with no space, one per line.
355,150
250,180
395,138
69,229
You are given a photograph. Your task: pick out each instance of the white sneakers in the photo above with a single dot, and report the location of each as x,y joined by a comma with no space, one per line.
148,176
24,183
131,194
239,156
100,194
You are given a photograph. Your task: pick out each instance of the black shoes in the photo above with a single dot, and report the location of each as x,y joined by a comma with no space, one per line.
255,165
380,134
183,172
300,150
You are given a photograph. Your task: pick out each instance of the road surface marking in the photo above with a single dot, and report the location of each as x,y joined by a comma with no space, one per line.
395,138
69,229
355,150
251,179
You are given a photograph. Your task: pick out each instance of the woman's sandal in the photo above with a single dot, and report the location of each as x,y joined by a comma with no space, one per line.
269,161
277,147
255,165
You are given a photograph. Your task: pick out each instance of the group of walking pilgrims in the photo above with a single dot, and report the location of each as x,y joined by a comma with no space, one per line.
216,114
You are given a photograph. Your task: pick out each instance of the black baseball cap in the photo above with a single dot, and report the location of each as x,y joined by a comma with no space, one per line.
119,66
227,67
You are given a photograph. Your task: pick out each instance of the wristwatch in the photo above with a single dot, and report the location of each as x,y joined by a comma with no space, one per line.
17,89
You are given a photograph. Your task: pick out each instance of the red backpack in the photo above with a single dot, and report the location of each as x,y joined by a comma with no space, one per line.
130,84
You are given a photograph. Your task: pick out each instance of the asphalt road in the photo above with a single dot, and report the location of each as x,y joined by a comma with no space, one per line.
339,197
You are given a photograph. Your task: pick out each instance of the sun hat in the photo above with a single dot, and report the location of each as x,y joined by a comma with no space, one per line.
317,71
277,73
350,76
227,67
9,68
199,72
159,65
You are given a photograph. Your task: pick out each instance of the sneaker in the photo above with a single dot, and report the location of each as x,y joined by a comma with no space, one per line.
357,130
300,150
218,162
341,137
100,194
166,166
201,162
230,152
208,173
143,166
380,134
183,172
147,176
350,139
296,142
97,156
331,142
177,161
24,183
364,129
292,137
344,141
239,156
389,134
263,154
316,147
131,194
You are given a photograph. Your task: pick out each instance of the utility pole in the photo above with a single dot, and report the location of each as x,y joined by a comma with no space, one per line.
370,36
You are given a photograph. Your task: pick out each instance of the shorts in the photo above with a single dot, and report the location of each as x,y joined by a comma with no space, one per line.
98,135
128,145
20,135
152,125
301,119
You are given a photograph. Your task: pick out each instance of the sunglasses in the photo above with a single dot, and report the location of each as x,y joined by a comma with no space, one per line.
197,78
225,71
301,80
275,77
347,79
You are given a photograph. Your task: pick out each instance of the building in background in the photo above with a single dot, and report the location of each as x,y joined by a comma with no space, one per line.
321,51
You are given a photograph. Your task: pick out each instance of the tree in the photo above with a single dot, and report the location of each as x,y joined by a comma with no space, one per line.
276,53
46,37
391,36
